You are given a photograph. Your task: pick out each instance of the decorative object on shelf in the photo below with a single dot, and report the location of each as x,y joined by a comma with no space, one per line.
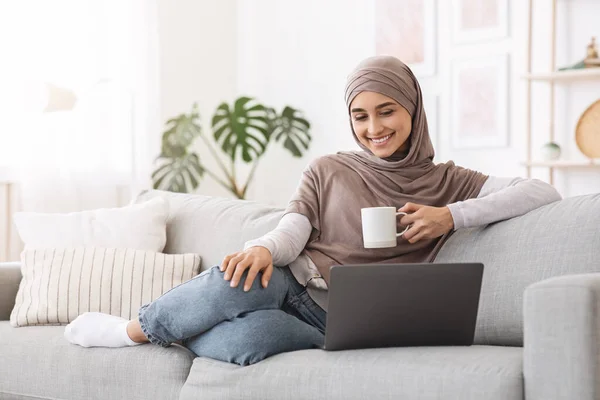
578,65
592,50
406,29
479,20
244,131
479,108
591,59
587,131
550,152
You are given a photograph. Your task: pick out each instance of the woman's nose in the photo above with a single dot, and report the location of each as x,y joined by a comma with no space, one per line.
374,126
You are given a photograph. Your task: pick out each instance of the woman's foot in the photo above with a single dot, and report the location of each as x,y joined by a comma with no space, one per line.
93,329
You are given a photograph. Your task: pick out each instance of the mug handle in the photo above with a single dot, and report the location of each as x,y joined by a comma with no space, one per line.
407,228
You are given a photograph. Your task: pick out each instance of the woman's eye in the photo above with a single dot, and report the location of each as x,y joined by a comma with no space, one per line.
359,117
387,112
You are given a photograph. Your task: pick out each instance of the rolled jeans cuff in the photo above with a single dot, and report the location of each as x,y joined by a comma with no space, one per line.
151,336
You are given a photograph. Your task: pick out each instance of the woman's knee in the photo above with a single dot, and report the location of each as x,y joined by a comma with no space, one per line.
210,287
277,283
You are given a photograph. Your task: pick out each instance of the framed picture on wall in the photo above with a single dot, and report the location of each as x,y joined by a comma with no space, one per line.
479,107
406,29
479,20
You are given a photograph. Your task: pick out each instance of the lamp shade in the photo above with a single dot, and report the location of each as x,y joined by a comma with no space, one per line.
45,97
59,99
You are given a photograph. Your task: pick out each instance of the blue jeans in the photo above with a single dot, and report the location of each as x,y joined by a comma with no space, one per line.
217,321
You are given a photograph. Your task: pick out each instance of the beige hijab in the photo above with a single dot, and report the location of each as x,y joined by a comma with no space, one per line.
335,187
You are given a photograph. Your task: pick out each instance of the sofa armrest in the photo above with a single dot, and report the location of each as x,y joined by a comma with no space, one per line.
561,357
10,277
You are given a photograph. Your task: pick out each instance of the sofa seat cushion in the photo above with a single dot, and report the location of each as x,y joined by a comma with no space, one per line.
416,373
37,362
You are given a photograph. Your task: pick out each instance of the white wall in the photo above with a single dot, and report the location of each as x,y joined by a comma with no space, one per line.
299,54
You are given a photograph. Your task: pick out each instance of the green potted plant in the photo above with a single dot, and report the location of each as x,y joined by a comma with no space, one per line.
242,132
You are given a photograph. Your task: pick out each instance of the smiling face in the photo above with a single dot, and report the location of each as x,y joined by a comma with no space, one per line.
380,123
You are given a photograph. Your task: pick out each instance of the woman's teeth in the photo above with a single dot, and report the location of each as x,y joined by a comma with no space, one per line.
381,140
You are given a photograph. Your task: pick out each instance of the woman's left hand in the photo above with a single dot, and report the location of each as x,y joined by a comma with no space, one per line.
427,222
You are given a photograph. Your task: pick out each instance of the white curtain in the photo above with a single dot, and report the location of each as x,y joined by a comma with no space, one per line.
98,153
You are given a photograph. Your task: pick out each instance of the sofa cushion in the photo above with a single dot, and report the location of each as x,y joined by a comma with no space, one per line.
137,226
558,239
212,226
37,362
60,284
416,373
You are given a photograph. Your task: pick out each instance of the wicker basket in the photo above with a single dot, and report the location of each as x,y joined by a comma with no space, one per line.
587,131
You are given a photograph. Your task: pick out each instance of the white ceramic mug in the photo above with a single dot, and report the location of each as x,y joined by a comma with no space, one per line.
379,227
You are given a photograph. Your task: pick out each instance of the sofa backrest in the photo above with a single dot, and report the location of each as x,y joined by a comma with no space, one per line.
212,226
558,239
561,238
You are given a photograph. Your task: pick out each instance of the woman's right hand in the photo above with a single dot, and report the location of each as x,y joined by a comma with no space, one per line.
255,259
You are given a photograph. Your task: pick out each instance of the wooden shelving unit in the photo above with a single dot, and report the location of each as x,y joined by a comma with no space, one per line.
565,76
552,78
563,164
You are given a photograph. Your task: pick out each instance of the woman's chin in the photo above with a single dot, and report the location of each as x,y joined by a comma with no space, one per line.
382,153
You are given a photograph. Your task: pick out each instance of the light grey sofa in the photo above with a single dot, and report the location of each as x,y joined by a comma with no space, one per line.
537,334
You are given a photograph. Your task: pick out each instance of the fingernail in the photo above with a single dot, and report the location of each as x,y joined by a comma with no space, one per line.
266,284
246,288
232,284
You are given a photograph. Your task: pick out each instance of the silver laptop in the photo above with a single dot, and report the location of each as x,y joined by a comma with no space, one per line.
383,305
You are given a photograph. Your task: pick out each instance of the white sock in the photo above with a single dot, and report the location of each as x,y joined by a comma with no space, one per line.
93,329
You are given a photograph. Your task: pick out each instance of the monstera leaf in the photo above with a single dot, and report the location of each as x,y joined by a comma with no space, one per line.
243,129
178,174
181,133
293,130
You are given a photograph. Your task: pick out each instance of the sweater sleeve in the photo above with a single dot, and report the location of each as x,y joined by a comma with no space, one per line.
501,199
287,240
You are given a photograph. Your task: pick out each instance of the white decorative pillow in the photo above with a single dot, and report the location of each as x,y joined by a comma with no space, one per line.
60,284
137,226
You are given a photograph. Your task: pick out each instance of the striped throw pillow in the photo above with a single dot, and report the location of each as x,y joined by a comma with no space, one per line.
60,284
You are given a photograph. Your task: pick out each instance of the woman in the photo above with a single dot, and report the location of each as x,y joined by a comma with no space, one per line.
246,309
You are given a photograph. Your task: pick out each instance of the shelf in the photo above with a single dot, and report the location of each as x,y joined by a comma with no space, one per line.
563,164
563,76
